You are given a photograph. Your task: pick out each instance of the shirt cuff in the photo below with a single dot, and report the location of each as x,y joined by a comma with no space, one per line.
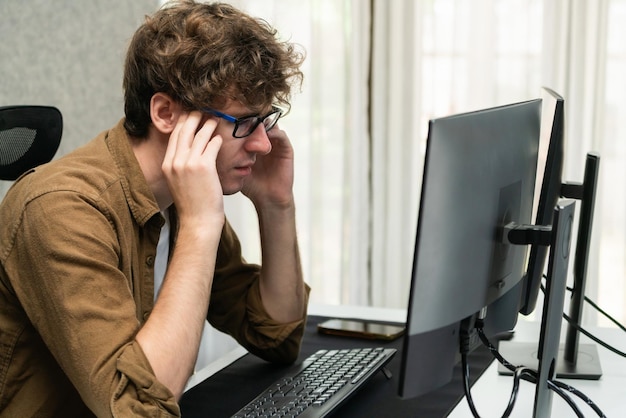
271,333
139,392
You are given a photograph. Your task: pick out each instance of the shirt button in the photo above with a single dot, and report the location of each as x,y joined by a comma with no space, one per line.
150,260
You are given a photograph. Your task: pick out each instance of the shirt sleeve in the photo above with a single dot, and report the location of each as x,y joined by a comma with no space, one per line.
138,389
70,284
237,309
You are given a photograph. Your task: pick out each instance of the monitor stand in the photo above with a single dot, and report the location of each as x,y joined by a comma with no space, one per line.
587,366
546,353
575,361
581,361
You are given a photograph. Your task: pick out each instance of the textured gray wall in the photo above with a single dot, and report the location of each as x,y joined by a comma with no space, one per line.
68,54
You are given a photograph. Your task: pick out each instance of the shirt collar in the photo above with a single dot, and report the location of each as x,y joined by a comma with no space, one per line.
141,200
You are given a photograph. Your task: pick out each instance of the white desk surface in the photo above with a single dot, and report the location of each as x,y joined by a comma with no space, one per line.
491,392
360,312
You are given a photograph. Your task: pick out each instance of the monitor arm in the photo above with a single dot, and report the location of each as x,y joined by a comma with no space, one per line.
558,237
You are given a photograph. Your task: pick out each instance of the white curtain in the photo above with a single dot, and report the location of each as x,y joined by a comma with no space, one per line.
433,59
591,73
328,126
360,135
452,56
397,146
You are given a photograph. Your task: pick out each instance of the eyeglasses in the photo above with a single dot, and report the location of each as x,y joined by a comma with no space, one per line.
246,125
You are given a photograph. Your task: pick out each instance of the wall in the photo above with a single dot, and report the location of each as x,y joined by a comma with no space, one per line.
68,54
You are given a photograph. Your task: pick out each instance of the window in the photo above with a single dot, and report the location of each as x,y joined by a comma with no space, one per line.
359,135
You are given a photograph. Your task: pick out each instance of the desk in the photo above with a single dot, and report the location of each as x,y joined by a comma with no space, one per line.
226,391
226,388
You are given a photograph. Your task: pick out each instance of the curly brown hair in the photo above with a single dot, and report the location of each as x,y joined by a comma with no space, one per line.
203,55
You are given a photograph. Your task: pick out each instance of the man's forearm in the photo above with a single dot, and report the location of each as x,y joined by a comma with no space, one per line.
282,286
171,336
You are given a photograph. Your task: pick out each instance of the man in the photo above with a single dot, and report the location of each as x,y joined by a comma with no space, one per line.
80,332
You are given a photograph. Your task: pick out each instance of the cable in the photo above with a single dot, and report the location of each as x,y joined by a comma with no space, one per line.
594,305
589,334
581,395
593,337
554,385
467,334
466,386
602,311
494,351
532,373
520,373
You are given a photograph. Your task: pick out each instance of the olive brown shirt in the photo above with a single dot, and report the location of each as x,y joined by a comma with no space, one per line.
78,239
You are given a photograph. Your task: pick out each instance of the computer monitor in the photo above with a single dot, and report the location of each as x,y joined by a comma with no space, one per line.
581,360
551,187
548,185
479,175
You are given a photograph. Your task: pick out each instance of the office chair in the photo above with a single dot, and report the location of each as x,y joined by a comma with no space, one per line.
29,136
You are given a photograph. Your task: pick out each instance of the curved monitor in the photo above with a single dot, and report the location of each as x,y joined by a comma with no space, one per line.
479,175
549,173
550,187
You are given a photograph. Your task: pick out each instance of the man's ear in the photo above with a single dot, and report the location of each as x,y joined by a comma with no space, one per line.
164,112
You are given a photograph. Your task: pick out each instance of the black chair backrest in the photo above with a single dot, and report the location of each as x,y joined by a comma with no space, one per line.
29,136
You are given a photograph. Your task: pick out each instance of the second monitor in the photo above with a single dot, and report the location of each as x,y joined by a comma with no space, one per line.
479,175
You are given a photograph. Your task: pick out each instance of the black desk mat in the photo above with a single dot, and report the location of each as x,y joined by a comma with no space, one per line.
224,393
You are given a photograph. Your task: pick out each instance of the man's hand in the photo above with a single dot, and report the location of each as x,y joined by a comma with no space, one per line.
271,181
190,170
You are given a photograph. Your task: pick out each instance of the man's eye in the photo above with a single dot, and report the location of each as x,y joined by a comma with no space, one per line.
246,123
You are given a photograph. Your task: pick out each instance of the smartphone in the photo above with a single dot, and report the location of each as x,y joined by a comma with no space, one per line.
360,329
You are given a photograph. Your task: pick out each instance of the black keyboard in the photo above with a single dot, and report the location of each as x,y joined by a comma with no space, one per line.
324,380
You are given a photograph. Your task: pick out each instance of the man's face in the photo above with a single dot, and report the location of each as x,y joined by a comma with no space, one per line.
237,155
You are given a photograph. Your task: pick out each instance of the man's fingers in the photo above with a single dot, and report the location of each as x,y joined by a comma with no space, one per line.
213,147
203,136
188,130
173,140
186,140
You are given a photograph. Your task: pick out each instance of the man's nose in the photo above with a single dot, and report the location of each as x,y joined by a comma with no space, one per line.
258,141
